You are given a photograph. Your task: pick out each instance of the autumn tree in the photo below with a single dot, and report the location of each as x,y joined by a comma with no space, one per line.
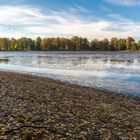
65,44
113,44
129,43
13,44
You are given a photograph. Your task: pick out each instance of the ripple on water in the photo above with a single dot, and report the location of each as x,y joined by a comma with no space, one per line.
119,72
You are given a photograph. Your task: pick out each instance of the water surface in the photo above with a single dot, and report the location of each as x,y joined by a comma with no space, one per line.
113,71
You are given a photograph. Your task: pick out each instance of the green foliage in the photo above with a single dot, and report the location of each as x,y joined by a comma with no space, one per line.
64,44
38,43
5,44
138,45
94,44
121,44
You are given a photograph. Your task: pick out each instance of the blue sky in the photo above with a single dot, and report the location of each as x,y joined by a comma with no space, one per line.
66,18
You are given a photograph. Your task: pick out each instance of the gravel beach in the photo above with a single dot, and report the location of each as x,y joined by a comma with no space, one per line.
35,108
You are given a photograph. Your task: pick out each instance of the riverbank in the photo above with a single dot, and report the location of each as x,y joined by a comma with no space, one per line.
42,108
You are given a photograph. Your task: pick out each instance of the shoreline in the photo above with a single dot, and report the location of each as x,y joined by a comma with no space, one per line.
75,85
127,51
33,106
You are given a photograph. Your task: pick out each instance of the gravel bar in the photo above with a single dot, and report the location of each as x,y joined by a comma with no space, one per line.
36,108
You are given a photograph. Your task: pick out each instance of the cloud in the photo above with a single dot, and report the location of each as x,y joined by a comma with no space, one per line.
18,21
124,2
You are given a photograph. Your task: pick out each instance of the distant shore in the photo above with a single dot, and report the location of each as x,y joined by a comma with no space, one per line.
35,107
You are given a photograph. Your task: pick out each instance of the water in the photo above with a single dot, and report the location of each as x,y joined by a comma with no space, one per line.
113,71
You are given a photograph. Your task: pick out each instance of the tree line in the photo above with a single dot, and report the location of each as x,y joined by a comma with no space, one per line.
73,44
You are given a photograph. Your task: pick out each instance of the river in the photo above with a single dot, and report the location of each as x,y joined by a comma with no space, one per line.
113,71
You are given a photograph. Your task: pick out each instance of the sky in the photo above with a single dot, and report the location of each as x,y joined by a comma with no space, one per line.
66,18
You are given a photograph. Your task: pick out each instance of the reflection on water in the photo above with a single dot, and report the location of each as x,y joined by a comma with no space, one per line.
119,72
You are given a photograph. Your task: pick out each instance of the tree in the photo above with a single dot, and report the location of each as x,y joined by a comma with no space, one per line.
13,44
38,43
64,44
57,43
31,44
94,44
84,44
68,44
77,42
138,45
5,44
104,45
44,44
113,44
121,44
129,43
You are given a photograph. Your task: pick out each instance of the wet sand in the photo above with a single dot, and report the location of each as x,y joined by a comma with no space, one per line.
39,108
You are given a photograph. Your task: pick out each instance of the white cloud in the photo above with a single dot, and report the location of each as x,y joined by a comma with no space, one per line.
124,2
17,21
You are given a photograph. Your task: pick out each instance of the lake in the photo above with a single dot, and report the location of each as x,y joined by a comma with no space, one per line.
113,71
